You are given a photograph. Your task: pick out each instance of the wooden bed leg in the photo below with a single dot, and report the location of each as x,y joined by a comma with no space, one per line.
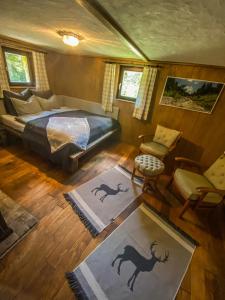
73,166
26,145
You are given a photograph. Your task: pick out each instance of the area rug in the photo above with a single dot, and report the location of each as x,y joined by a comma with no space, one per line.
99,201
144,258
18,219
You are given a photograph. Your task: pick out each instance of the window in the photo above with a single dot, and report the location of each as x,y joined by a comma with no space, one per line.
19,66
129,82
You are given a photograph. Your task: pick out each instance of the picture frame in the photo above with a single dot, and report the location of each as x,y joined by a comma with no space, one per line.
191,94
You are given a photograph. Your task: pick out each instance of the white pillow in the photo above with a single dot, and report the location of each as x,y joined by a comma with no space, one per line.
31,106
51,103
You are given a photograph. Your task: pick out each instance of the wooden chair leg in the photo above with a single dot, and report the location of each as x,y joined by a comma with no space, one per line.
199,201
145,184
170,183
197,204
133,173
184,208
154,182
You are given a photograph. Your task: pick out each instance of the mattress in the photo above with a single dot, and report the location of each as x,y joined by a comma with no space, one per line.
11,122
36,136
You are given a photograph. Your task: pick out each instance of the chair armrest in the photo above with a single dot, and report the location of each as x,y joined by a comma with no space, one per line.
173,146
187,161
204,190
143,136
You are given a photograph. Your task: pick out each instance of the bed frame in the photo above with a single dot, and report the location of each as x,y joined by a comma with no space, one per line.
89,106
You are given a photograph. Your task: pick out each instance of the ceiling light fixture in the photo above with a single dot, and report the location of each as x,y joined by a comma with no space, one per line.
70,38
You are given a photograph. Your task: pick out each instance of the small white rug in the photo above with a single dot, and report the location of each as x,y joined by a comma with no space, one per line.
99,201
146,257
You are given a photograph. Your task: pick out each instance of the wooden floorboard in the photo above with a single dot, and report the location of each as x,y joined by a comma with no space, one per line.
35,268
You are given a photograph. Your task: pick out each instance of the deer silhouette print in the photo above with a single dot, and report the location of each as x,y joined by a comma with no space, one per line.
141,263
108,190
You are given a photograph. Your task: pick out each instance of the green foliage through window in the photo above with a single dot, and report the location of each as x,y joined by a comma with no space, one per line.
17,66
130,84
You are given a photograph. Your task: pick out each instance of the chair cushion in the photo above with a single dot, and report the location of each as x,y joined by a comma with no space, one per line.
216,173
187,182
165,136
154,149
149,165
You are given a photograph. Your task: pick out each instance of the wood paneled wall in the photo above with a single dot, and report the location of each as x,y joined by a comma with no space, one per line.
203,134
78,76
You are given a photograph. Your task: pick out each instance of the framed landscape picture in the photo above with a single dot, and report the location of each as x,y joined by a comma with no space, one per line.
192,94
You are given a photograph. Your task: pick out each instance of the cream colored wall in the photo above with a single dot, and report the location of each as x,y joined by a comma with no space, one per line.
203,134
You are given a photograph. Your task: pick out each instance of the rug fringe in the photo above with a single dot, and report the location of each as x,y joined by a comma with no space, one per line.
94,232
75,286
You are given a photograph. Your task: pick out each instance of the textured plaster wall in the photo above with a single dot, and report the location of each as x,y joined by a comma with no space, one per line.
37,22
166,30
173,30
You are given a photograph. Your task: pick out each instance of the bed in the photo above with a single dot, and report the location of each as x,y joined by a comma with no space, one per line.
34,131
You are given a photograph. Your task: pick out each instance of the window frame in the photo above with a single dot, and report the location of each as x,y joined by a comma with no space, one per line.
119,85
29,62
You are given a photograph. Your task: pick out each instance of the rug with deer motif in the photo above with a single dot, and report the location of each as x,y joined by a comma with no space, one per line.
99,201
146,257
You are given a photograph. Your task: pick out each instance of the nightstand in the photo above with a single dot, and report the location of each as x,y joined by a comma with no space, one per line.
3,136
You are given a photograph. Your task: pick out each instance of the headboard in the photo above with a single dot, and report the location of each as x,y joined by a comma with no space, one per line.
90,106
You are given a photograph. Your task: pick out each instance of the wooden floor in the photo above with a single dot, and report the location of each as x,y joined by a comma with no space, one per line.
35,268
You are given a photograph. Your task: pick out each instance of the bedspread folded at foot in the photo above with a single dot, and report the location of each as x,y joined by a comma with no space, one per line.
64,130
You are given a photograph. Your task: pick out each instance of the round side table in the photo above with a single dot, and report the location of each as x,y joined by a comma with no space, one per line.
150,167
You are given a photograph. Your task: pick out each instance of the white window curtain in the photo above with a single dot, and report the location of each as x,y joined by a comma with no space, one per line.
41,77
108,87
144,97
4,84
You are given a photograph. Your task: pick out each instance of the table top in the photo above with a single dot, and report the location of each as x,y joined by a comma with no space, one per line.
149,164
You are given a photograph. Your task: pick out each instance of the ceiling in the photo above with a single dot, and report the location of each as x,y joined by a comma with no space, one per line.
173,30
37,22
168,30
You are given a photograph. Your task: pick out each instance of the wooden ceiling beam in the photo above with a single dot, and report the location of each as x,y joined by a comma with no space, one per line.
96,9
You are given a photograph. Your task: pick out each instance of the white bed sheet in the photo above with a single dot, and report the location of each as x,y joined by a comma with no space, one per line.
10,121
